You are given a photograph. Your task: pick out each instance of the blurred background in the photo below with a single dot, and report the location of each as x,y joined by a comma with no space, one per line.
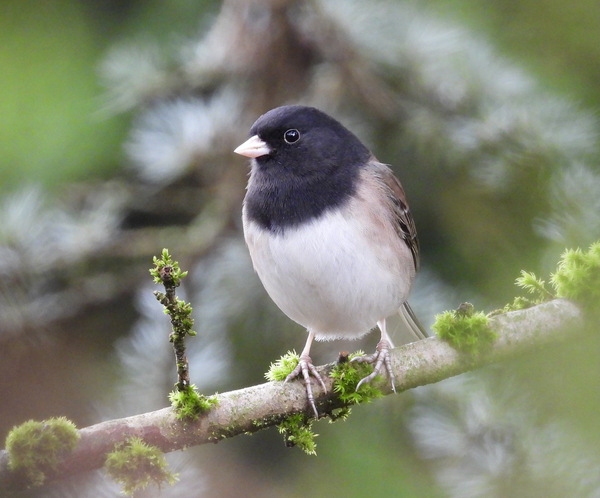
117,123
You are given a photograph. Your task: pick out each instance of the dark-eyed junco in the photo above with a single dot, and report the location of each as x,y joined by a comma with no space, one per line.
329,232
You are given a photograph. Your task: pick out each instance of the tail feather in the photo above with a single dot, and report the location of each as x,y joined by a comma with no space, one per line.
411,322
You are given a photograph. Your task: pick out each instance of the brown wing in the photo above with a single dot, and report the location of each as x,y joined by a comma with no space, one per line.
405,224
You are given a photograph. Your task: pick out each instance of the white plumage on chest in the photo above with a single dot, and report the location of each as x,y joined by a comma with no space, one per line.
330,275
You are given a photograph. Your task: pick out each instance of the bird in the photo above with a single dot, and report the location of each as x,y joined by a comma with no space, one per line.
329,233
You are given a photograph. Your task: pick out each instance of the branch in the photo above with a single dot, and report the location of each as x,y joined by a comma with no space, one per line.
253,408
167,272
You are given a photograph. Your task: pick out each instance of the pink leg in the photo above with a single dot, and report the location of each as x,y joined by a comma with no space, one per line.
380,358
306,368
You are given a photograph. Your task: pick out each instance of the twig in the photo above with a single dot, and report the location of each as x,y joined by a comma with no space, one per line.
167,272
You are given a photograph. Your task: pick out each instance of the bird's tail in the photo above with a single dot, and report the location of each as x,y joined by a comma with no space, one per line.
411,323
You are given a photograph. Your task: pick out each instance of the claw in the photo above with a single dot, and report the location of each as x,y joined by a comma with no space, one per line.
306,368
380,358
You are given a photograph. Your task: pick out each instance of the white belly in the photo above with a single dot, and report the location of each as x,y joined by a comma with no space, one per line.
330,276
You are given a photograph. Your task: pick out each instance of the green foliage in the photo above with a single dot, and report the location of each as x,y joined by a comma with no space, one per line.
181,318
346,376
166,269
189,404
284,366
578,276
135,464
167,272
297,431
465,330
34,448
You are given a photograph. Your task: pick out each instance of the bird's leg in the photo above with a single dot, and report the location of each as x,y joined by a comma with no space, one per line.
380,358
306,368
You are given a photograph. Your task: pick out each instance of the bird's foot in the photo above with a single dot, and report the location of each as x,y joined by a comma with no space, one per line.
380,358
306,368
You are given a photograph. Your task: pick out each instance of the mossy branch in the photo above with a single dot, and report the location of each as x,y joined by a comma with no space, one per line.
251,409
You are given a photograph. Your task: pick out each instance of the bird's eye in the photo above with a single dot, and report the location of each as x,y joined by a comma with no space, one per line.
291,136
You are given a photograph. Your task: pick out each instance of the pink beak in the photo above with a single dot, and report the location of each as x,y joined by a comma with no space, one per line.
253,147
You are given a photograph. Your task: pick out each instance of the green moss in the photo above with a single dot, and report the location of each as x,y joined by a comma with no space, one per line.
519,303
578,276
347,375
465,330
297,431
34,448
135,464
534,286
284,366
189,404
339,414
